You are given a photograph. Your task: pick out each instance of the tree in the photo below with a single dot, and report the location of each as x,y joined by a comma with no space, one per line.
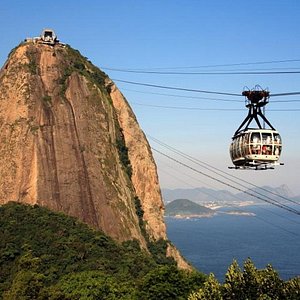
233,287
210,291
26,286
249,284
291,289
168,282
90,285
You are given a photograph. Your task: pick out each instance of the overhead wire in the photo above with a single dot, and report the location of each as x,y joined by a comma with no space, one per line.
282,206
207,73
207,109
235,207
285,94
203,98
214,72
218,199
186,97
187,108
177,88
197,90
188,183
217,65
234,196
218,171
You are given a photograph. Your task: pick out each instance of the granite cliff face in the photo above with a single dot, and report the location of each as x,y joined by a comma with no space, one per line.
70,141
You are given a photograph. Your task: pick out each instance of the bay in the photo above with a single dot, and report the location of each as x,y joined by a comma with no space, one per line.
272,236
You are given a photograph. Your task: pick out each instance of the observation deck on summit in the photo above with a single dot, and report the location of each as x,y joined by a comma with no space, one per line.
47,36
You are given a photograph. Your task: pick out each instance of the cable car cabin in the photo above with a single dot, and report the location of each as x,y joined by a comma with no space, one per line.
255,148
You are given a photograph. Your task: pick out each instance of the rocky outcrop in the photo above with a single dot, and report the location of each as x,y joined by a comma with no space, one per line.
70,141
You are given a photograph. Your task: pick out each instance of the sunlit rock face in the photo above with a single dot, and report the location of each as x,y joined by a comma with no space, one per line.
70,141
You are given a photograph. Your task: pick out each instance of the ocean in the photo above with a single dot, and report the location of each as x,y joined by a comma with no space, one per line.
272,236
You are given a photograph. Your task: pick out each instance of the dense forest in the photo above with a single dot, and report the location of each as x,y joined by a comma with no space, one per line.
47,255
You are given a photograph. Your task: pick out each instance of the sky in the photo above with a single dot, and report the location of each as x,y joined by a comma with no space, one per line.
183,36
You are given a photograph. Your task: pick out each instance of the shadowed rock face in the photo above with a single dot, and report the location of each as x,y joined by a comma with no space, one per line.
67,136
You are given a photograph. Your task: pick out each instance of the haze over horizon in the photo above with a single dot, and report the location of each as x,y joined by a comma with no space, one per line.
184,36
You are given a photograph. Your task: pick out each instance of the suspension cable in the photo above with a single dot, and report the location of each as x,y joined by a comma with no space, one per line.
209,167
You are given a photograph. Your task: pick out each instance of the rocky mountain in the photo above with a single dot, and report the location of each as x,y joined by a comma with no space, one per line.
70,141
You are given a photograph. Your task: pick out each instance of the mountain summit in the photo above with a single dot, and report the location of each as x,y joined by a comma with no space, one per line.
70,141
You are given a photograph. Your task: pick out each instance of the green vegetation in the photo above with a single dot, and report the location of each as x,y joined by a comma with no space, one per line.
47,98
249,284
157,248
47,255
123,153
63,80
77,62
140,213
32,65
185,207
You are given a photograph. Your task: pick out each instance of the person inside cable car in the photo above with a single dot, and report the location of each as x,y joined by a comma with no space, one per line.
277,150
255,138
255,149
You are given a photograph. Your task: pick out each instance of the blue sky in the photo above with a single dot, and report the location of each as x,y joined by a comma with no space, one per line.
179,34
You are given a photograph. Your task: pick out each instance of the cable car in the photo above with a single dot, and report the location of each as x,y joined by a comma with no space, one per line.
256,148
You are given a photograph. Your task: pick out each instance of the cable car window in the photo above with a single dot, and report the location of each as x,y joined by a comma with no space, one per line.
246,144
277,138
277,150
255,137
242,145
267,138
255,149
267,142
266,150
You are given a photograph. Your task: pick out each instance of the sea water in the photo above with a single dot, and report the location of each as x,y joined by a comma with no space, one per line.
272,236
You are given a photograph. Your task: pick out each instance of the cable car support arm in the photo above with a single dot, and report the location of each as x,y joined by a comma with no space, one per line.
256,100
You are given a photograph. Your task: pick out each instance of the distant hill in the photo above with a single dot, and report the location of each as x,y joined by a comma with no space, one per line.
185,207
198,195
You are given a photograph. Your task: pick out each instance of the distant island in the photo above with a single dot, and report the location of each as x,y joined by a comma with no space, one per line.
187,209
184,208
240,213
